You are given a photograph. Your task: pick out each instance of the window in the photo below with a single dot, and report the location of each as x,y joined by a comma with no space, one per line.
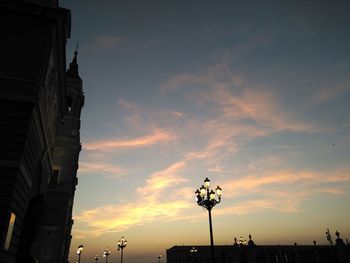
54,178
9,231
69,105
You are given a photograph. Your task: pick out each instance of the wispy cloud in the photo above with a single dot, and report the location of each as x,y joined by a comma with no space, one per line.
157,137
151,205
276,179
332,91
109,41
120,218
93,167
235,100
162,180
281,191
235,113
103,42
253,206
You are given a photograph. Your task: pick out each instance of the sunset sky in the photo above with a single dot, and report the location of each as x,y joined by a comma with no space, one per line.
254,96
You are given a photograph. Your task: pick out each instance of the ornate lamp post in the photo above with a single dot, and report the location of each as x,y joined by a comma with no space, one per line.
106,253
121,245
159,256
96,258
80,251
207,198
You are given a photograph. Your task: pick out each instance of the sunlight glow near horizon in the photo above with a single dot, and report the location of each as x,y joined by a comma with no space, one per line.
256,101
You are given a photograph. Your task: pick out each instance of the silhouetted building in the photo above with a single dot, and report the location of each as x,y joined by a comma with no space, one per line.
260,254
40,104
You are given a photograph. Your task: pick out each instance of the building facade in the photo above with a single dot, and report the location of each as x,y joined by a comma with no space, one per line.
40,105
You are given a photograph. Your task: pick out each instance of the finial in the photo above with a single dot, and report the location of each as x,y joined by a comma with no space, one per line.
337,233
74,62
235,244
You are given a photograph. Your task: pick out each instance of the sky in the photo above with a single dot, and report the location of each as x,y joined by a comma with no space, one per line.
253,95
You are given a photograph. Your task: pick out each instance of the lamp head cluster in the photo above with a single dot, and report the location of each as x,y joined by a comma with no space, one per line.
122,243
193,250
80,249
106,253
97,257
206,197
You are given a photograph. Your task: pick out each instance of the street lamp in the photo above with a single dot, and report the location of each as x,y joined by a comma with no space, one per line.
96,258
121,245
208,199
241,242
193,252
79,251
106,253
159,256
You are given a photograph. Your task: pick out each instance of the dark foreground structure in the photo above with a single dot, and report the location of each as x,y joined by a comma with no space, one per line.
260,254
40,105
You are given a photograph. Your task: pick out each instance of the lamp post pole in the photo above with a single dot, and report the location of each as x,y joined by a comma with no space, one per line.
159,256
121,245
79,251
106,253
208,199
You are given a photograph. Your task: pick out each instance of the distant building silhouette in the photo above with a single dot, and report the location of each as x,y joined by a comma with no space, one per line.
260,254
40,105
252,253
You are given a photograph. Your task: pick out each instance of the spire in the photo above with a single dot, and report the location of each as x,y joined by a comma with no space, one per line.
74,61
72,72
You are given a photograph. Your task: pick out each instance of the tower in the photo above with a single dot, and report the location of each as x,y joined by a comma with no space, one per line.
55,232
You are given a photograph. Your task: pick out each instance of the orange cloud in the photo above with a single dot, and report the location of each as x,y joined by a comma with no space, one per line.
266,183
158,137
161,180
333,191
236,102
151,206
248,207
101,167
119,218
281,191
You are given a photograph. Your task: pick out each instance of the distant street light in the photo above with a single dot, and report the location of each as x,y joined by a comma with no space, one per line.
121,245
159,256
193,252
241,242
106,253
80,251
207,198
96,258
